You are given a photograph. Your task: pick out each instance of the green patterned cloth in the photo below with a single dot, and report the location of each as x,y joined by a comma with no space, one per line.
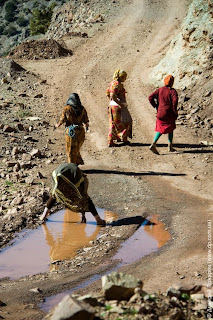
70,186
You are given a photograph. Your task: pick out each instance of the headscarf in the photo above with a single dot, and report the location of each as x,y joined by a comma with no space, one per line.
119,73
169,80
75,102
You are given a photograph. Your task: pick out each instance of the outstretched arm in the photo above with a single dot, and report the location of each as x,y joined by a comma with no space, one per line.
94,212
49,205
62,119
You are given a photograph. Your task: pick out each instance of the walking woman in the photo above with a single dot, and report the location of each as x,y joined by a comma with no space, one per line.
74,116
165,100
120,121
69,187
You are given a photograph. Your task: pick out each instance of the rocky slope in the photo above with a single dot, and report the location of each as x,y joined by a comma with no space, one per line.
189,58
68,17
15,19
190,52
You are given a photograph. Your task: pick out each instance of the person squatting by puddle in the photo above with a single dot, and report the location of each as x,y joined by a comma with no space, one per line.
70,187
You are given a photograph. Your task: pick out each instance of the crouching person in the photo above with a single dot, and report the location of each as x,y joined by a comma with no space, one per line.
70,187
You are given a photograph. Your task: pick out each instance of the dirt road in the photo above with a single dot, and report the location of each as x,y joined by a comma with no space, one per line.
176,186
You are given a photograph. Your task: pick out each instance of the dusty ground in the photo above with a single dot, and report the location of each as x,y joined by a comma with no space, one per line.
176,186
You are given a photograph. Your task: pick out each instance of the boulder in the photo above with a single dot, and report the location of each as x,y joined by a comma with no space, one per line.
120,286
36,153
72,309
90,299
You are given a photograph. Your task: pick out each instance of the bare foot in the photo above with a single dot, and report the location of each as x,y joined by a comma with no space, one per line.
101,222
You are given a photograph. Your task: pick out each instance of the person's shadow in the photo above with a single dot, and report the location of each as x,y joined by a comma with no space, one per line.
130,173
138,220
131,144
191,148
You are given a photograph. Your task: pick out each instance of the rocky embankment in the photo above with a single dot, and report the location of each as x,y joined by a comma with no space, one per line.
24,151
122,297
190,52
80,18
189,58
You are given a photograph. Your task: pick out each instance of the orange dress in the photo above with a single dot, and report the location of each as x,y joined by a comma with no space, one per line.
118,129
74,143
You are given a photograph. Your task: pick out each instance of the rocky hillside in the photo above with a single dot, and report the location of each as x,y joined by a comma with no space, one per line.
78,17
189,58
15,16
190,52
23,103
21,21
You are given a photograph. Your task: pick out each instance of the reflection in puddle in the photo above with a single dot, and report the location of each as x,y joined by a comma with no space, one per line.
157,231
58,239
148,238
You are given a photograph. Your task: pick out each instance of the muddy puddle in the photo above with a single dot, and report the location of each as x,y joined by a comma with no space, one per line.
149,237
35,251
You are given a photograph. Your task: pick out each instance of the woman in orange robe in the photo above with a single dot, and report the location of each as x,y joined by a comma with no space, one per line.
74,116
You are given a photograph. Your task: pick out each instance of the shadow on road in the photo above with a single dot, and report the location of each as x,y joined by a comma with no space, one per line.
193,148
133,174
131,220
197,151
198,148
138,144
184,145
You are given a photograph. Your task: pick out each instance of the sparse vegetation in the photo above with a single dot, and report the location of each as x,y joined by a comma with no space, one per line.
10,9
2,27
10,31
2,2
8,183
23,114
19,14
40,20
22,22
108,307
130,311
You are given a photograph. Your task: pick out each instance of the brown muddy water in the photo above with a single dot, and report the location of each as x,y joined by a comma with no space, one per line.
34,251
149,237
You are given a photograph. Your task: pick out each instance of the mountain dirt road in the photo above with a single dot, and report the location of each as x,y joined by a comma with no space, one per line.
175,186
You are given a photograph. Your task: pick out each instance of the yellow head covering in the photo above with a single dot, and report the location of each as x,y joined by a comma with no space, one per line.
119,73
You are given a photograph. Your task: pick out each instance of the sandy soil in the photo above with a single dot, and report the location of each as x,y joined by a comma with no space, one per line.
177,186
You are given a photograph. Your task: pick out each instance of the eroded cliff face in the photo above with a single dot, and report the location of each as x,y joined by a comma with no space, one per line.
77,18
190,52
